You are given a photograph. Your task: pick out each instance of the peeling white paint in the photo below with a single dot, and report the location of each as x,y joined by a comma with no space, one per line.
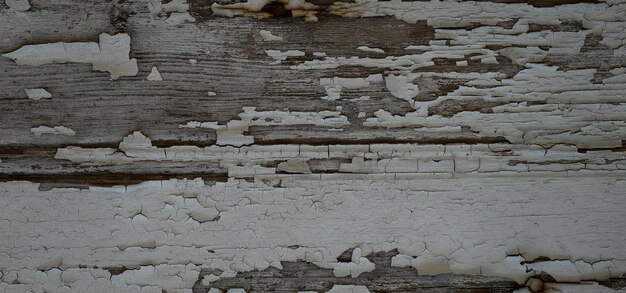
154,75
560,91
405,62
38,94
174,13
333,86
445,224
229,134
598,18
537,83
402,88
365,159
348,289
111,54
373,50
357,266
496,209
282,56
56,130
232,132
269,37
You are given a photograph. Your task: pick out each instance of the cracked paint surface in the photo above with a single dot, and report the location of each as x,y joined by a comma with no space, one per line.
470,225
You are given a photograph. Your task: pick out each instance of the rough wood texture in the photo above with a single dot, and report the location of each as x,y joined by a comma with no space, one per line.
327,146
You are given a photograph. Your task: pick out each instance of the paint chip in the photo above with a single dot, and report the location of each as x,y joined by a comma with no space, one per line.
401,87
373,50
38,94
56,130
269,37
111,54
282,56
154,75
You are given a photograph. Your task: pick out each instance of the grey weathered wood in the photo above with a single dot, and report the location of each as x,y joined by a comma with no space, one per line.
302,276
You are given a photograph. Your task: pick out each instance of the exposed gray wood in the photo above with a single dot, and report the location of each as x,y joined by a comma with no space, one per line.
302,276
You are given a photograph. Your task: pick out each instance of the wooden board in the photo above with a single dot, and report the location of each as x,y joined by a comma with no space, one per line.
327,146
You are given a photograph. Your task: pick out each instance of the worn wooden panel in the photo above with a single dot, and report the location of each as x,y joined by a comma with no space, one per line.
327,146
